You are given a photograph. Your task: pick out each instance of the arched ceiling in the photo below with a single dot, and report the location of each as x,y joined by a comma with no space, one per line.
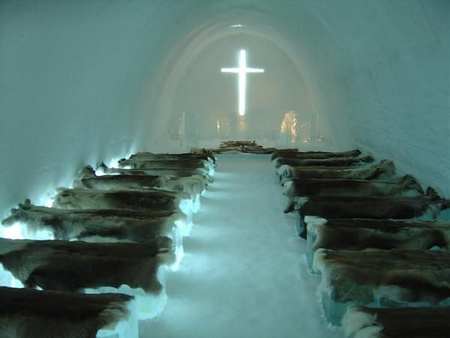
85,80
294,29
377,71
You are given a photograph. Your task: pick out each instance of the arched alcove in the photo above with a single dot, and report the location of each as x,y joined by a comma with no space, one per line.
249,26
202,107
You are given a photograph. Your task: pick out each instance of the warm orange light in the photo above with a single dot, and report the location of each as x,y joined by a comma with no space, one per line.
289,125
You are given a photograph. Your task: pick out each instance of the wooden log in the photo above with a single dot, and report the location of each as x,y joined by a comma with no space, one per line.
394,278
382,170
98,224
418,322
27,313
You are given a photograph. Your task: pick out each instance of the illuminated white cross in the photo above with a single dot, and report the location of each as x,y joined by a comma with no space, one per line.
242,72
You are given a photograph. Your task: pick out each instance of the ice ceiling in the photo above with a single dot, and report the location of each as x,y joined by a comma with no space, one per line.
86,80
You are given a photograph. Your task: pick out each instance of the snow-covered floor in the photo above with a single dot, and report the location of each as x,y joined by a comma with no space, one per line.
243,274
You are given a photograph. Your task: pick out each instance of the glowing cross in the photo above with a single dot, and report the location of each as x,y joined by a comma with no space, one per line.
242,72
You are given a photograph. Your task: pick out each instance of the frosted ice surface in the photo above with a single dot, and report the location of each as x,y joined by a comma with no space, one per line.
244,273
147,305
20,230
7,279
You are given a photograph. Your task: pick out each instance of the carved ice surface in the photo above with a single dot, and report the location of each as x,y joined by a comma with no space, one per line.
312,222
113,162
211,170
148,305
7,279
196,204
99,172
125,328
177,239
19,230
13,231
185,226
187,207
179,255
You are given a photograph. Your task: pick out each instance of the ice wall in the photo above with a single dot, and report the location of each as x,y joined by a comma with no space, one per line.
69,73
85,80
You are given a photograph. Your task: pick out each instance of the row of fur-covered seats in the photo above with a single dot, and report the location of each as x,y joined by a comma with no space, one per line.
379,242
92,263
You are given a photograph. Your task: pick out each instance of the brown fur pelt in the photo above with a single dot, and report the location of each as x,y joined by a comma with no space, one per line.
165,164
27,313
199,154
116,224
360,234
250,147
121,182
73,266
403,186
419,322
118,199
179,172
382,170
401,276
326,162
193,185
295,154
380,207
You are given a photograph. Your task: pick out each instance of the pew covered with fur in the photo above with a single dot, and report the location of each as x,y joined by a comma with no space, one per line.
429,205
201,163
395,278
79,198
313,155
98,224
420,322
403,186
70,266
177,172
193,185
333,162
383,170
200,154
361,234
74,266
27,313
184,163
244,146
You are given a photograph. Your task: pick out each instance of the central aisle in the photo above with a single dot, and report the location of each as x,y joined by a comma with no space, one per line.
243,274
